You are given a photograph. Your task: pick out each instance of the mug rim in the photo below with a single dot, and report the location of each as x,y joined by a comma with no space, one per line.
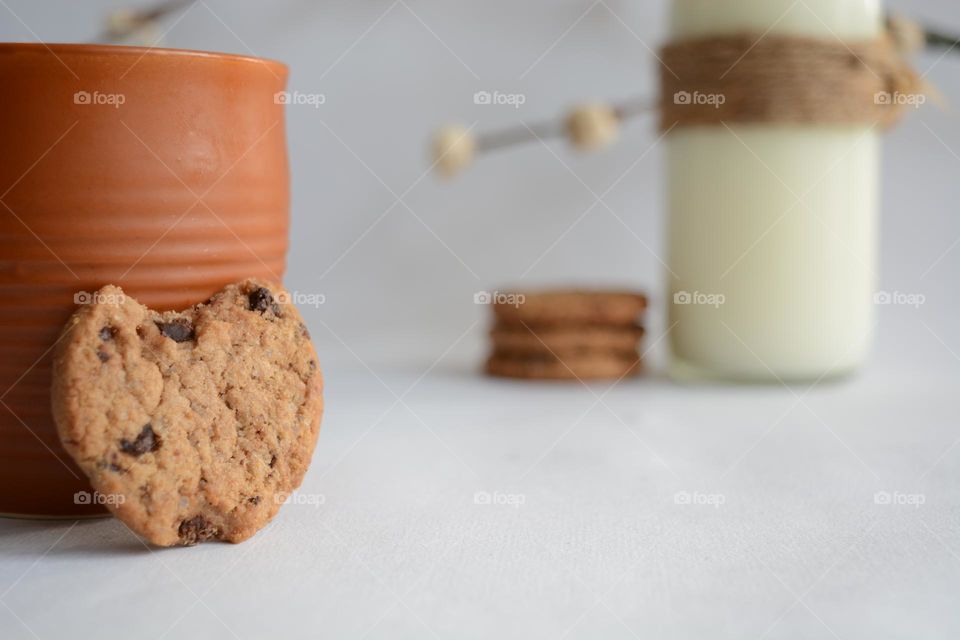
104,49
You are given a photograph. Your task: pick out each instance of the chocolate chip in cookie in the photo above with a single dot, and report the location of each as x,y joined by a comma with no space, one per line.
146,442
260,299
197,529
178,329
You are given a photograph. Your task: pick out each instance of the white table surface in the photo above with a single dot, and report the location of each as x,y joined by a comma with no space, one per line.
597,547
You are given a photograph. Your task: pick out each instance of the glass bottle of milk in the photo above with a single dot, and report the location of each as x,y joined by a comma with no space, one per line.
772,228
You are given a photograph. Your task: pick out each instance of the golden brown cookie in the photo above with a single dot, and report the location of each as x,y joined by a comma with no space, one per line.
563,340
573,306
573,367
193,425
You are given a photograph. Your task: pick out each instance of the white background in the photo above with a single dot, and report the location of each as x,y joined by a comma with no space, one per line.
599,548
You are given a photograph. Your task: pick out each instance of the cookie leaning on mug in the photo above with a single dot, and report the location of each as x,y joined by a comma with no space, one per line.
192,425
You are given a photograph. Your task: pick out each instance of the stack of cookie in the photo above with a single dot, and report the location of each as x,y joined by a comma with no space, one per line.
566,335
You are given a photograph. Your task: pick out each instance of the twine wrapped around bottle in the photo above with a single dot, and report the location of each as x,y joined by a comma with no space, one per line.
782,79
740,79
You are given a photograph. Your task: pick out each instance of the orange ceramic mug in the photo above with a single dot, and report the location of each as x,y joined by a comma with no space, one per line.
162,171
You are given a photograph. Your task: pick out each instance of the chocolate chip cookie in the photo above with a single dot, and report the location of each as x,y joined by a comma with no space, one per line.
570,307
566,334
195,425
564,340
583,366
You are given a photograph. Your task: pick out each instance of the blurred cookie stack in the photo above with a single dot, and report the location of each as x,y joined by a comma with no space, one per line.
566,335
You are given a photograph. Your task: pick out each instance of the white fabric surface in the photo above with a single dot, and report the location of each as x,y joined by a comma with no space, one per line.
599,547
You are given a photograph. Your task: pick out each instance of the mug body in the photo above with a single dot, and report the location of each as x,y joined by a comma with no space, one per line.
161,171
